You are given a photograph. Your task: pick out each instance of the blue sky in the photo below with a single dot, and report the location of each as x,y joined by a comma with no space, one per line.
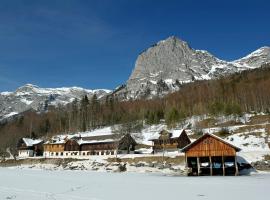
94,44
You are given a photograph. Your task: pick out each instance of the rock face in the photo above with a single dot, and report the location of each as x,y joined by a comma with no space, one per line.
166,65
33,97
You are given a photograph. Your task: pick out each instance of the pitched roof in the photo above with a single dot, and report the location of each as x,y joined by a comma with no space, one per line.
60,139
56,141
31,142
100,139
177,133
81,141
174,134
211,135
87,140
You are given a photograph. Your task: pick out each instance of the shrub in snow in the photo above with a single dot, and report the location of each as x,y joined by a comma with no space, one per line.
224,132
122,168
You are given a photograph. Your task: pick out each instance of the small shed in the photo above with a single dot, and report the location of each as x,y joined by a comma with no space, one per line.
170,141
211,155
28,147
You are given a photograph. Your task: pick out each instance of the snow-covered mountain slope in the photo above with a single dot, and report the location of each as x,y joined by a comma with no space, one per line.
166,65
255,59
33,97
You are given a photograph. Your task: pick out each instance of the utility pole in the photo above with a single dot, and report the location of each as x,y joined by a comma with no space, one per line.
163,150
163,136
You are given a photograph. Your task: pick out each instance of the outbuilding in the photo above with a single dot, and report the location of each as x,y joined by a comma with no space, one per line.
170,141
28,147
107,144
211,155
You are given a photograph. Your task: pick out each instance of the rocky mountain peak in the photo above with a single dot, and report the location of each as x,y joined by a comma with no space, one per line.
172,41
27,88
172,62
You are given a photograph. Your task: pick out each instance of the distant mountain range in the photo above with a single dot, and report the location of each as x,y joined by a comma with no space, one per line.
159,70
33,97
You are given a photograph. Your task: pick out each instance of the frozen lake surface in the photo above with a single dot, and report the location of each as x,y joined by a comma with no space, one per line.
64,185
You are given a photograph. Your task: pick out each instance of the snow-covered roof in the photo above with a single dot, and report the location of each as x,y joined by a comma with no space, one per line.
100,139
104,135
56,142
81,141
96,132
30,142
60,139
176,133
154,137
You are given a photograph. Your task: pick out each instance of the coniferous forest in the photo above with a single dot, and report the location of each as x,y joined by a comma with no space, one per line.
231,95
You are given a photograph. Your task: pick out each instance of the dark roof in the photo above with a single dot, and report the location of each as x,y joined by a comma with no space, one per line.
171,135
211,135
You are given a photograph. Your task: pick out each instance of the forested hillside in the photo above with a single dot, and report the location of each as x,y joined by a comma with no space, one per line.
243,92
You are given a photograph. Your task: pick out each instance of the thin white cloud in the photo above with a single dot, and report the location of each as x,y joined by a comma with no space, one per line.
35,21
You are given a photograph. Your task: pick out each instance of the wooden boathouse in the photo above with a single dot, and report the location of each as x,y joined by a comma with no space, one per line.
211,155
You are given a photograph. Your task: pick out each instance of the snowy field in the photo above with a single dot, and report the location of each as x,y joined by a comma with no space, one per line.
72,185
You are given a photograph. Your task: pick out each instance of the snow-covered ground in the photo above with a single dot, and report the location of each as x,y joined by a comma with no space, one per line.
72,185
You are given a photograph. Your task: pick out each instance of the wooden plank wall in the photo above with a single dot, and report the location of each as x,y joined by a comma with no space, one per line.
210,146
72,145
99,146
54,147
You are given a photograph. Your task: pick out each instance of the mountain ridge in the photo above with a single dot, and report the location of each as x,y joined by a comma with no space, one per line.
30,96
172,61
